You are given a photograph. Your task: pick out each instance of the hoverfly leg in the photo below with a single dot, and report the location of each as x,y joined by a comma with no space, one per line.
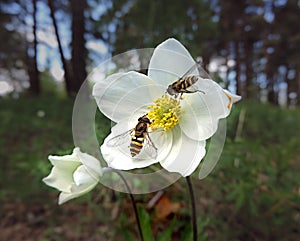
150,148
149,139
193,91
201,91
181,94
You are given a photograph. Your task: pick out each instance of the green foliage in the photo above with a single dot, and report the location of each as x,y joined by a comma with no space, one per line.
257,177
31,129
187,232
145,224
51,87
167,234
253,193
175,227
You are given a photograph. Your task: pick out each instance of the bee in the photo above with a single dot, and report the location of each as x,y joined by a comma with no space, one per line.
140,139
181,85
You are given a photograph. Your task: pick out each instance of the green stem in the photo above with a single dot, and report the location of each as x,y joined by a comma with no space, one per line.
193,204
133,203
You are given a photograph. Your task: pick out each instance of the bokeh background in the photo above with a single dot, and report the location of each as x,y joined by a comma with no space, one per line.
250,47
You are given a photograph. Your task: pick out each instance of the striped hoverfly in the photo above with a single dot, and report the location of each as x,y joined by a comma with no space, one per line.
140,139
186,83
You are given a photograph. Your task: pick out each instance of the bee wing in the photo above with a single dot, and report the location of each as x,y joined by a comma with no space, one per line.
149,147
120,139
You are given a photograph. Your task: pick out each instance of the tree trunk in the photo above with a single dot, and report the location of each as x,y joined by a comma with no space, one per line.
271,95
237,68
270,90
228,50
249,71
32,60
298,84
289,88
68,76
79,54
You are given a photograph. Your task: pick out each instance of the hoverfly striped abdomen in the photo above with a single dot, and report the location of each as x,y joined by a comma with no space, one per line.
136,144
180,86
138,136
139,139
187,81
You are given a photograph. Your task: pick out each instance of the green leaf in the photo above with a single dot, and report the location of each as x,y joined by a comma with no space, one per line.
128,236
167,234
187,234
145,224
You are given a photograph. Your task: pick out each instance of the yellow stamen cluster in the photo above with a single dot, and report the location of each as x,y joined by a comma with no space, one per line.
165,113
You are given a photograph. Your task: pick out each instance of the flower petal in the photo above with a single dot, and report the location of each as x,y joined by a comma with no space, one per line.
60,176
59,179
185,154
126,93
201,112
91,164
170,60
81,176
232,98
76,191
65,160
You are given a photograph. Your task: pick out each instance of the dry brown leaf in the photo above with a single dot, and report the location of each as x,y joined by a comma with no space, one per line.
164,208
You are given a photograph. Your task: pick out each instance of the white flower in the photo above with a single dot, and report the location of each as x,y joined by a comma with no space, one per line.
124,97
73,175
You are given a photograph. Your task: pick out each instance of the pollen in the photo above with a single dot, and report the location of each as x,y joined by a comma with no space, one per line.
230,101
165,114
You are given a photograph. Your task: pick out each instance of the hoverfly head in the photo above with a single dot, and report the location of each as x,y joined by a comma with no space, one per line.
144,119
171,91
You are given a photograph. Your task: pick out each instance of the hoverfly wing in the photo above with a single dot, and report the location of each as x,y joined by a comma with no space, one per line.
191,70
120,139
196,69
202,73
149,148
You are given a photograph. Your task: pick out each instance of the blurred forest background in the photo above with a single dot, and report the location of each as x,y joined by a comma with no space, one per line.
252,47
